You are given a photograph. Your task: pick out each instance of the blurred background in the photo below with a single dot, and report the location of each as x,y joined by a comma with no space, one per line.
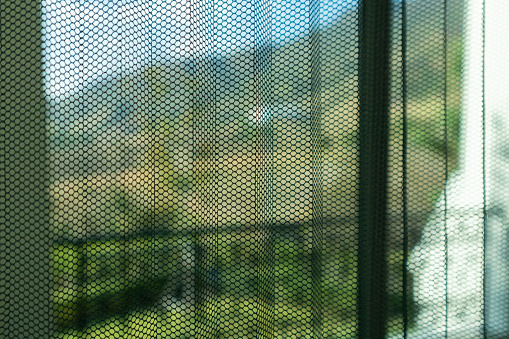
184,149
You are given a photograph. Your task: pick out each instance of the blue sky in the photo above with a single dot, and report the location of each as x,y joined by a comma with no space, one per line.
86,40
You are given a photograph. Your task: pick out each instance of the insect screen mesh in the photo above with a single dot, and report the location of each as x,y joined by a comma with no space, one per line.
252,169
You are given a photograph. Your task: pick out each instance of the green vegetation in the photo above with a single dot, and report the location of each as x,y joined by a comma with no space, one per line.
96,279
185,139
124,282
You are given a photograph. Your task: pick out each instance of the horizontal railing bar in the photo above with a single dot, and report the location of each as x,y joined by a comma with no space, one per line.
208,230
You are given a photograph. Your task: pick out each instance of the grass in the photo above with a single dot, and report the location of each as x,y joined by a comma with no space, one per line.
237,309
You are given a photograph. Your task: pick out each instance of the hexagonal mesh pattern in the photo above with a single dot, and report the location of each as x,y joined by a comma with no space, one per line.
190,169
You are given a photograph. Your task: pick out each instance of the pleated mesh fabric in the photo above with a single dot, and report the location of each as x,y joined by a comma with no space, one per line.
253,169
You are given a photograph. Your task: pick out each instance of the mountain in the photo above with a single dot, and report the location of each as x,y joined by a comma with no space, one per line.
220,112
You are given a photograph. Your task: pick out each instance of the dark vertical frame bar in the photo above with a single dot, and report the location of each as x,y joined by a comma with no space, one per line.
405,165
25,310
484,167
447,160
374,85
